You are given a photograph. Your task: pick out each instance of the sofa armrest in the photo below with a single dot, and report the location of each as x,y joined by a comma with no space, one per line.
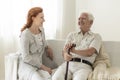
11,65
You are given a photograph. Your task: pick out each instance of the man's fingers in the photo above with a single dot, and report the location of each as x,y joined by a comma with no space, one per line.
69,45
67,57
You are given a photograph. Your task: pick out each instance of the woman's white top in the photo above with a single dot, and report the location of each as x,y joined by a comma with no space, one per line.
32,47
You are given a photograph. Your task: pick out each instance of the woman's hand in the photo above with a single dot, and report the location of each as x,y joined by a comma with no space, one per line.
49,70
49,52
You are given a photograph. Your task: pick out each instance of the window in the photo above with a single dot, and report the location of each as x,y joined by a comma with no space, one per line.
14,12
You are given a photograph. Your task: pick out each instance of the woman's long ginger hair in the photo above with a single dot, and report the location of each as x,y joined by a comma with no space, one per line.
33,12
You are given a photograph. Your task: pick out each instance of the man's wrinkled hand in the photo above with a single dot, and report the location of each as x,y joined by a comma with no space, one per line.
67,57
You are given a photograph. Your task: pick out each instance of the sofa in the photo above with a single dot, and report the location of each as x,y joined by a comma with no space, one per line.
110,73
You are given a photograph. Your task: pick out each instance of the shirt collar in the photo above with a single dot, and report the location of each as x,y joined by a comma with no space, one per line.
89,32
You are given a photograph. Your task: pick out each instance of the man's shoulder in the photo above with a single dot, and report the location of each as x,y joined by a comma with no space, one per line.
97,35
93,33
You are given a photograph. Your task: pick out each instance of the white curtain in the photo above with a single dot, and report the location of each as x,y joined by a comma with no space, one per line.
66,18
59,20
12,18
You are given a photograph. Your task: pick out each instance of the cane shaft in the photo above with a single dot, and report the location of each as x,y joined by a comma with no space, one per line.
66,70
67,66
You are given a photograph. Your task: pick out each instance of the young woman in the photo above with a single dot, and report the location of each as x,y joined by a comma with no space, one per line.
33,46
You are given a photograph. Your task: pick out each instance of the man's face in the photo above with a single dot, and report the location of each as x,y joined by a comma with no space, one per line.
84,22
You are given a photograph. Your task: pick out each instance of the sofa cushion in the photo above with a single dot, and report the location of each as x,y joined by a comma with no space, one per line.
57,46
111,47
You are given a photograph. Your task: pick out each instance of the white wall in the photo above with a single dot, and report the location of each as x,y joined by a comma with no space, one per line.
107,17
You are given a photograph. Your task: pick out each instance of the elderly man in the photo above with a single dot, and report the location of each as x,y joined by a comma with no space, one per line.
83,55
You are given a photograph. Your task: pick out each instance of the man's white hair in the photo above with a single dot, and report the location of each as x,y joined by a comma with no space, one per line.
90,16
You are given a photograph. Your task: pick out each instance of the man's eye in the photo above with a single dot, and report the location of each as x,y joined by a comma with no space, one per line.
42,17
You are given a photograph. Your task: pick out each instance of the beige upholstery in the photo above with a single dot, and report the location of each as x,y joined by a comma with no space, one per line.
112,48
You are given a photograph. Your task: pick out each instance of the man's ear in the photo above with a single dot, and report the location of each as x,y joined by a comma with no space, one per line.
91,22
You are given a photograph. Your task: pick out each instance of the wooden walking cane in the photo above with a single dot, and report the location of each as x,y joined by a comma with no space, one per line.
67,66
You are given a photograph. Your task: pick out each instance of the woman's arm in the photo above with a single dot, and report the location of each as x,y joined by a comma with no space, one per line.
43,67
49,52
25,50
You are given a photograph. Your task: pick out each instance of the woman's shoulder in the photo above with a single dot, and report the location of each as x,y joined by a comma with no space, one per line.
26,32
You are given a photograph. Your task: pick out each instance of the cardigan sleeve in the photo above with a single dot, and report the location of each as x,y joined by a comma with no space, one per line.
25,50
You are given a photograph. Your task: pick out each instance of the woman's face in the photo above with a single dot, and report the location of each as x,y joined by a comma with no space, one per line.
39,19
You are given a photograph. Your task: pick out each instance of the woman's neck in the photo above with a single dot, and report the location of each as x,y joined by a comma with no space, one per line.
34,29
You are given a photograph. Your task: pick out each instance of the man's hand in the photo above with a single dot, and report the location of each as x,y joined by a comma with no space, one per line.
68,46
67,57
73,50
49,53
